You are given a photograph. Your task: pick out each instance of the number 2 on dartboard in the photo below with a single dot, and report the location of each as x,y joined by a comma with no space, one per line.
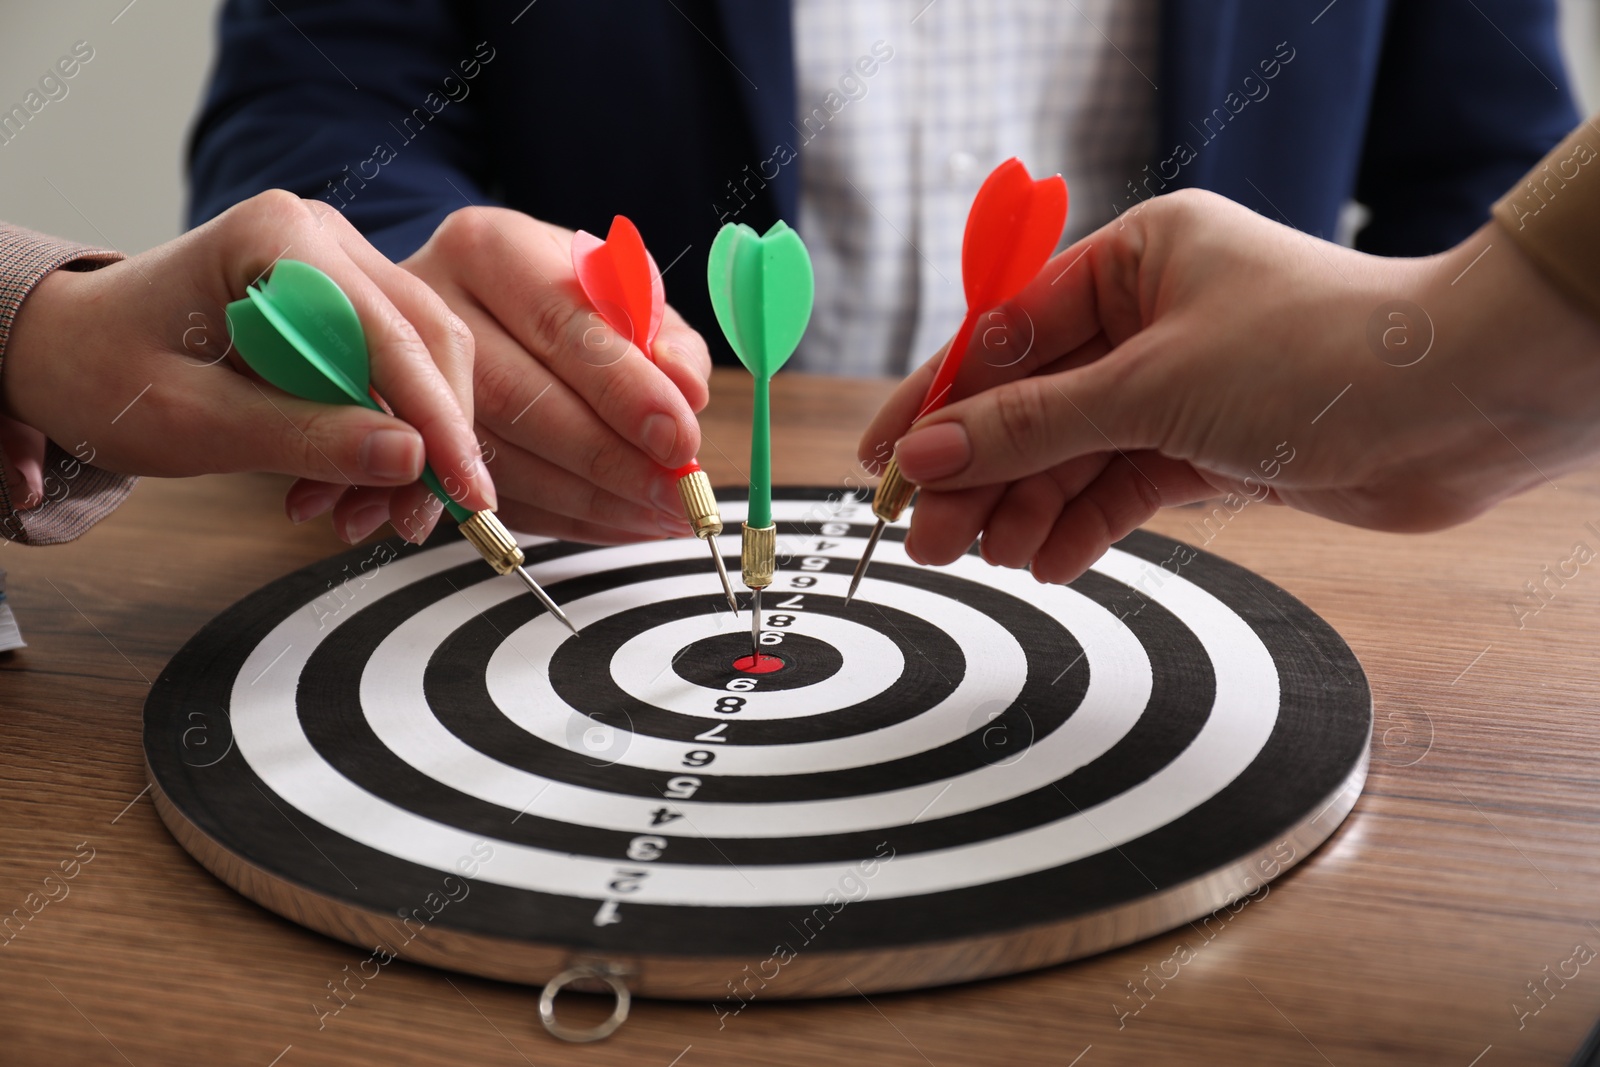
627,881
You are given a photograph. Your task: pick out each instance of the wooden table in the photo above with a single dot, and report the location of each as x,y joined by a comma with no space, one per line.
1470,868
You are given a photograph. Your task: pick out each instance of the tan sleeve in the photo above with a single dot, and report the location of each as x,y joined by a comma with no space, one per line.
76,494
1553,215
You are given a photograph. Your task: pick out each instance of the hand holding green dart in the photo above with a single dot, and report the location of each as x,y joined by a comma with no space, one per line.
299,331
761,290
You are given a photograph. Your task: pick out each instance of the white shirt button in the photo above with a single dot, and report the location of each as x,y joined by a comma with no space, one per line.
963,165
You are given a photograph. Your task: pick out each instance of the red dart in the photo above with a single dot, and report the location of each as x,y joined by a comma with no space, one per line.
1012,230
621,280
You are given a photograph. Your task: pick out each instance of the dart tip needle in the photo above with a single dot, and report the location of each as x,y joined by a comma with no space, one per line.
866,558
544,598
755,628
722,572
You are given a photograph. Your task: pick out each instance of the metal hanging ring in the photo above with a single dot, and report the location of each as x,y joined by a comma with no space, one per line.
582,1035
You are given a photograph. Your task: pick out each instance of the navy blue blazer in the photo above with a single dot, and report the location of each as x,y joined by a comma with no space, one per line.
680,114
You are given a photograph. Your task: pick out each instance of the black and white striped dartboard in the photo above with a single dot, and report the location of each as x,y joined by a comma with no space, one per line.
963,773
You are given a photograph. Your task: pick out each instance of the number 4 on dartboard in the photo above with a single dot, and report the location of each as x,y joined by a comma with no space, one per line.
663,815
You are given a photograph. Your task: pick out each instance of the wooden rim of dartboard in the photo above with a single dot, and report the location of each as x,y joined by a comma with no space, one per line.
207,745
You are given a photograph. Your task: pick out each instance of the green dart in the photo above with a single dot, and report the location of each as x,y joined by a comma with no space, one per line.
761,289
299,331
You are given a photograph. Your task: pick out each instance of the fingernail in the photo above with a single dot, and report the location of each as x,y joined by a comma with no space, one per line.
420,534
313,503
934,453
664,493
365,520
485,484
420,523
660,435
391,454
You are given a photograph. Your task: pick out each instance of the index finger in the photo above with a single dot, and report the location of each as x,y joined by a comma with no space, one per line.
1055,315
521,271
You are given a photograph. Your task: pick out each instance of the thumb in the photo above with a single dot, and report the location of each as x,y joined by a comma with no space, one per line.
1027,426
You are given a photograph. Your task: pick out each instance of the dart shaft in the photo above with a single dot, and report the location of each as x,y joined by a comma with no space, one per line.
939,388
761,455
457,512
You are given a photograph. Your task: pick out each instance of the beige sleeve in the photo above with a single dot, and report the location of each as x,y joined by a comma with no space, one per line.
1553,215
77,493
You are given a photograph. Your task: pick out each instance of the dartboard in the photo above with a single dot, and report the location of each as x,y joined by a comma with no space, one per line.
961,773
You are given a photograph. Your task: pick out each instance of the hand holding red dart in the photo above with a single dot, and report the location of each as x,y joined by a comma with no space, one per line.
1012,230
620,279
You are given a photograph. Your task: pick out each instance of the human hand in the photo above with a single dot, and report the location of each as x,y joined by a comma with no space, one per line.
1193,349
133,361
582,427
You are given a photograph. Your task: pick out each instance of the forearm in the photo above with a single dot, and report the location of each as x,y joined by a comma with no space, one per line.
1553,215
74,493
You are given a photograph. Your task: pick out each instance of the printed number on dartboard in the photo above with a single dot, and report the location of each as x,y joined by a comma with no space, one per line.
625,880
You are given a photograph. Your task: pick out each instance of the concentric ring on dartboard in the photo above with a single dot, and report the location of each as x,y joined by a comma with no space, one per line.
644,659
336,743
535,726
1258,770
802,661
388,679
486,631
876,664
337,738
405,732
814,831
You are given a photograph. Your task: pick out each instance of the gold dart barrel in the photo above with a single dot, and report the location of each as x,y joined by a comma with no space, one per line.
894,492
758,558
500,550
700,504
493,542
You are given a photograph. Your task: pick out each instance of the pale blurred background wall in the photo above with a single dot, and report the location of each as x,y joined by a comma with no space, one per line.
104,164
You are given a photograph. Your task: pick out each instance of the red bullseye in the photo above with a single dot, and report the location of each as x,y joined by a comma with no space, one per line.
752,665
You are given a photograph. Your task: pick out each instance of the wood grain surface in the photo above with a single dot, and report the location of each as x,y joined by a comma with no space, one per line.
1467,876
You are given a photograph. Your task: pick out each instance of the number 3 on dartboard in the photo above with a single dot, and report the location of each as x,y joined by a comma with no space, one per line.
646,847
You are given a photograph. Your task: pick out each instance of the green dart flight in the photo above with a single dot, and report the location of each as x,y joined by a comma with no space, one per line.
761,290
299,331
